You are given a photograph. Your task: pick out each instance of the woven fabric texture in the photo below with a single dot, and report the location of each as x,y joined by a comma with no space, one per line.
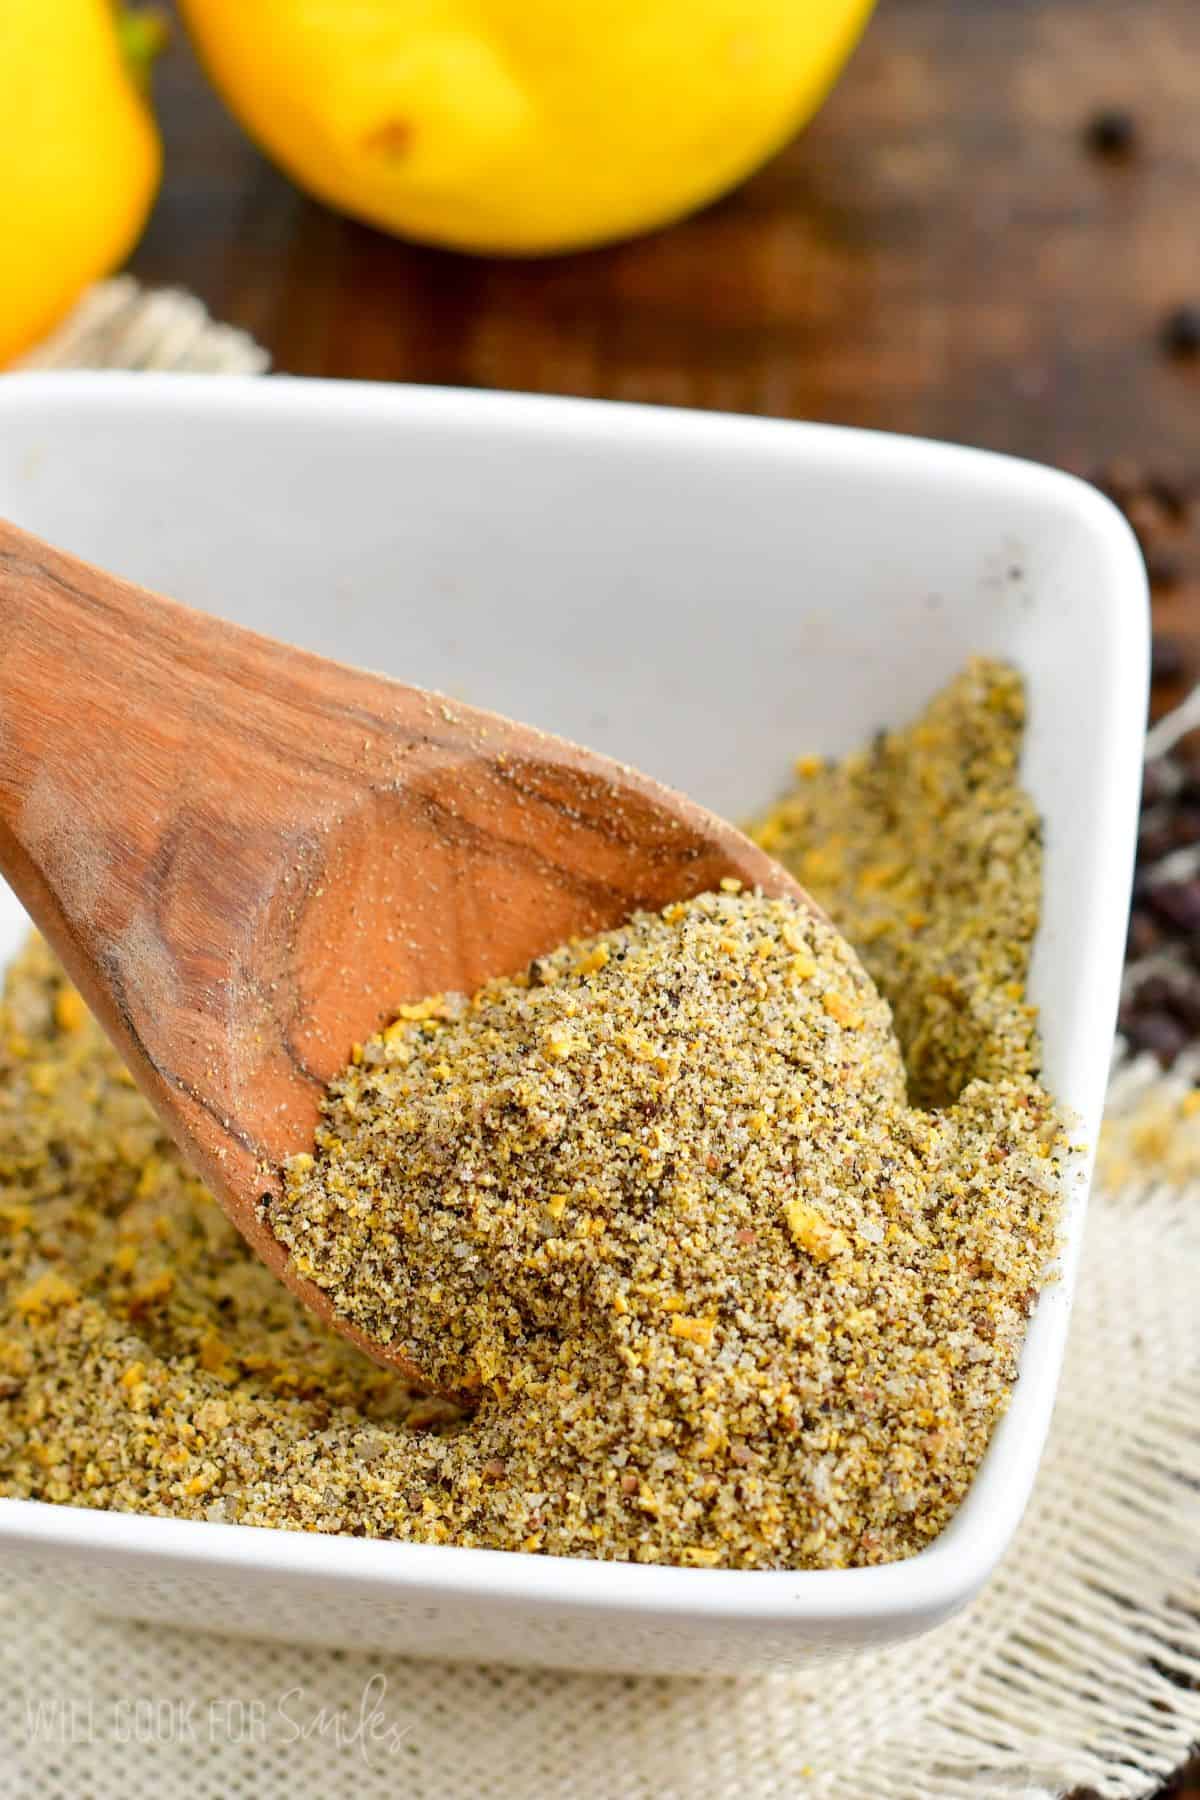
1078,1666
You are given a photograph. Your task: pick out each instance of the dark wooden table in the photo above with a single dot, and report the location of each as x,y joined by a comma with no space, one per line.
938,253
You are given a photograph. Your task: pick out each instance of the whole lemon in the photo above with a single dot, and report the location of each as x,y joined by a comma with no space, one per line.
79,154
522,125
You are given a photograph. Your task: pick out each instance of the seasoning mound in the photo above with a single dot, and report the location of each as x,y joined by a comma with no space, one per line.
927,852
603,1161
723,1294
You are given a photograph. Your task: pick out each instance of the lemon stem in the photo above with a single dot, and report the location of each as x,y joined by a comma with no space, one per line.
142,35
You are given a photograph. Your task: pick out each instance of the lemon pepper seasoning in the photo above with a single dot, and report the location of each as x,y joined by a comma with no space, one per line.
723,1293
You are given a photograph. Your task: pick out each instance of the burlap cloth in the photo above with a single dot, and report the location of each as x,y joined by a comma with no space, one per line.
1080,1664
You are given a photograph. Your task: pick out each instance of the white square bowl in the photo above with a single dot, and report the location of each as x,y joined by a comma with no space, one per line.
704,596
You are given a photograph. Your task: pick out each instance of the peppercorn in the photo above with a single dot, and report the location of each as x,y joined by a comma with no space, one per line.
1167,660
1180,334
1111,132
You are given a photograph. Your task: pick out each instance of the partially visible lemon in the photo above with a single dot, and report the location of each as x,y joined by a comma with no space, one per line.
79,154
522,125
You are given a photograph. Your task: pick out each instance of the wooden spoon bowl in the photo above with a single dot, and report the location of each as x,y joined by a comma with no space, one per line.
247,856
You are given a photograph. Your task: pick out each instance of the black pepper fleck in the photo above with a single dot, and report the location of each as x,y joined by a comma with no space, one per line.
1111,132
1180,335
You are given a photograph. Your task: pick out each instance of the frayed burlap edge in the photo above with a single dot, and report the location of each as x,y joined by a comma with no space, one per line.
121,325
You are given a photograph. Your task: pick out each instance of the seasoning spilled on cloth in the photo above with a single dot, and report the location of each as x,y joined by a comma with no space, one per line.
668,1203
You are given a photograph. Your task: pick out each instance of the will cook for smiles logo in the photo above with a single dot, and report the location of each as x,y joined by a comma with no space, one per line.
366,1727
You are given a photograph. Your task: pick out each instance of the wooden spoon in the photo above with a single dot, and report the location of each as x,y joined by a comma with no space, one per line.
247,857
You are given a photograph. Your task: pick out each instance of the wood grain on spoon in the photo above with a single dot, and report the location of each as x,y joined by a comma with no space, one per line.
247,856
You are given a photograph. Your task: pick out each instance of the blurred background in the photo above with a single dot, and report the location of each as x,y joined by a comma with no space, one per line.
939,252
988,232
